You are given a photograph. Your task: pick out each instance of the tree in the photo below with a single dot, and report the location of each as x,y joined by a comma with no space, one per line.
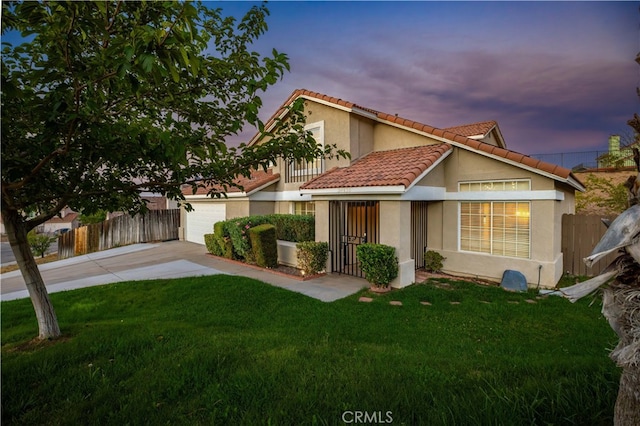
621,295
110,99
608,197
39,243
95,217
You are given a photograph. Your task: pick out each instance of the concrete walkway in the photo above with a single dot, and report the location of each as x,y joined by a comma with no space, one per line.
172,259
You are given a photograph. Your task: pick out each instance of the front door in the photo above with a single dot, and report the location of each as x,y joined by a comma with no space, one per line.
351,223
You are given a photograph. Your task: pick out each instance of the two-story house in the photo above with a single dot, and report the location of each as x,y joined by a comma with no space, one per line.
457,191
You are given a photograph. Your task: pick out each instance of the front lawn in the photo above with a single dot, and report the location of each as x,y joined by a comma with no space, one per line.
231,350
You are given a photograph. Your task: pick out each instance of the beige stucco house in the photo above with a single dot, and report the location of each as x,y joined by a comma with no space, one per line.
457,191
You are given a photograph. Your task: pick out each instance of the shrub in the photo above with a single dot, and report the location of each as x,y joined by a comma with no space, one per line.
219,243
238,230
312,256
211,244
264,245
294,228
39,243
378,262
433,261
288,227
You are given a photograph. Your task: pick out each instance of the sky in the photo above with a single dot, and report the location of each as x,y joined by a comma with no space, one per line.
556,76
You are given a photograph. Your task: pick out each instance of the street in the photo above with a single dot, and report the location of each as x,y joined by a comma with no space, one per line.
6,254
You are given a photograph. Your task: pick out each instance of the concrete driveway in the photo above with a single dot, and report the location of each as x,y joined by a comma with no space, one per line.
172,259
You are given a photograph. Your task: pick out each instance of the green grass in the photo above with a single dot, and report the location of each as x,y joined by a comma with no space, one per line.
231,350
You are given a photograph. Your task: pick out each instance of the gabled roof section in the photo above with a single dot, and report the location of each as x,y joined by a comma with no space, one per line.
257,181
443,135
474,130
400,168
480,131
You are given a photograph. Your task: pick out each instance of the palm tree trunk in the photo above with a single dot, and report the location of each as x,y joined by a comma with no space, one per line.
17,232
621,306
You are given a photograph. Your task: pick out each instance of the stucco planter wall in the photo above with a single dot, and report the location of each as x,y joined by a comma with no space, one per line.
287,254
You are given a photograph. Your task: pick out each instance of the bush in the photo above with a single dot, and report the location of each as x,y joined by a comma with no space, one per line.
211,244
294,228
39,243
288,227
433,261
378,262
219,243
264,245
312,256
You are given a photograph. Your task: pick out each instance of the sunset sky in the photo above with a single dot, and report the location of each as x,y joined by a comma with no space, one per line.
557,76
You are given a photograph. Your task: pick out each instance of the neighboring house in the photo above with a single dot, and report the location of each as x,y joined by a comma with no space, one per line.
66,220
457,191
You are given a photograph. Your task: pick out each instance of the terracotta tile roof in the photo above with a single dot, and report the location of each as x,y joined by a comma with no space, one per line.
257,179
474,129
450,136
397,167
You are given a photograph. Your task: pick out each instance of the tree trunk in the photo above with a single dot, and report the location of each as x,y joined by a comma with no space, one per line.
621,307
17,233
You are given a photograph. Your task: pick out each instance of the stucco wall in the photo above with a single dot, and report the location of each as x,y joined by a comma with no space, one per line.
388,137
443,229
395,231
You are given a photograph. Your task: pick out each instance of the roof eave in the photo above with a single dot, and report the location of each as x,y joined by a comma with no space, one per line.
430,168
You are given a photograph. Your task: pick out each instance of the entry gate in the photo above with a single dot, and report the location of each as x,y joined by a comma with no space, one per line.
351,223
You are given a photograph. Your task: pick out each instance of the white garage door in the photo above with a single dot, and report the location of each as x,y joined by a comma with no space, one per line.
201,219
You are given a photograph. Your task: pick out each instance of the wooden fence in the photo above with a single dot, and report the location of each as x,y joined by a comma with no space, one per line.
580,234
156,225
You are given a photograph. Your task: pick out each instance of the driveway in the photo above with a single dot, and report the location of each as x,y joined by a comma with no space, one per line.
172,259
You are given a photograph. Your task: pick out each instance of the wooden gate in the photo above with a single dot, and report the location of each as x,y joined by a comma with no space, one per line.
580,234
351,223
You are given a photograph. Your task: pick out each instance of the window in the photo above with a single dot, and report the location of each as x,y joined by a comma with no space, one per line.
496,185
304,207
500,228
301,171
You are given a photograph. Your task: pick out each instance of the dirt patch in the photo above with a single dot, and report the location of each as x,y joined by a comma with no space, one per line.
38,344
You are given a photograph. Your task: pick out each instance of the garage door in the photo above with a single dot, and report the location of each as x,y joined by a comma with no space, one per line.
200,220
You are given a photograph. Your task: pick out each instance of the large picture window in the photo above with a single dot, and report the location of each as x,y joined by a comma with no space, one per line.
501,228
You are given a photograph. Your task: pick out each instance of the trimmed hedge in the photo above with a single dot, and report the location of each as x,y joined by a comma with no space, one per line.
211,243
294,228
378,262
264,245
312,256
217,243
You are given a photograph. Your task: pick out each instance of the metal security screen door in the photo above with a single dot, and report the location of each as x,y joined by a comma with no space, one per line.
351,223
419,231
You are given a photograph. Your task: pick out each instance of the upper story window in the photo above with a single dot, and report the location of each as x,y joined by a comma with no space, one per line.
496,185
302,171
